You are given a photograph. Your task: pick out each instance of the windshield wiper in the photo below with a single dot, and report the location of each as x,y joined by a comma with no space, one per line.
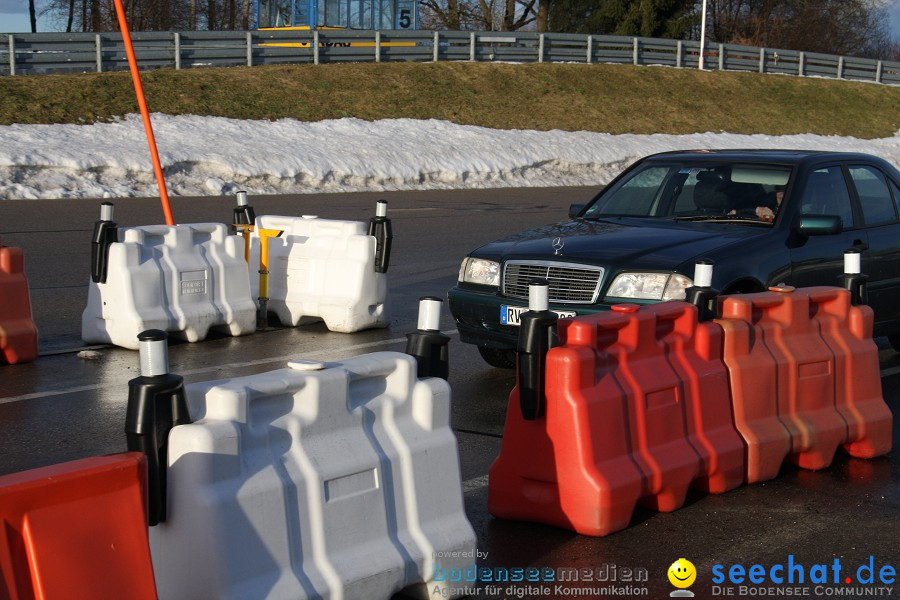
721,219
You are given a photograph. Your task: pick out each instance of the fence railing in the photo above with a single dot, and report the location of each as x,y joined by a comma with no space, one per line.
38,53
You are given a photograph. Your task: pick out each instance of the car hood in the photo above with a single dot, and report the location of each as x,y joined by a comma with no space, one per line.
622,242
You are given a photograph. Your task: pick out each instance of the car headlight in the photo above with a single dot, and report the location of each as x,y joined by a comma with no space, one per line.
649,286
480,271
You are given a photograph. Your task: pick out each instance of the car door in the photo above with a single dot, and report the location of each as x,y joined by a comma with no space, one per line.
819,259
881,261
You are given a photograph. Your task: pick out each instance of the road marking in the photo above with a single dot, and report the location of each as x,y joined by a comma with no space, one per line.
237,365
251,363
474,484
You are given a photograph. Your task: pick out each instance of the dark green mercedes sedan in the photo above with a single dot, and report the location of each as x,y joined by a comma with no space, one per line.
763,217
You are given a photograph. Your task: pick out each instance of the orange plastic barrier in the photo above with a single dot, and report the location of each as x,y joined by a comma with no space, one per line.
782,382
847,330
637,411
572,467
76,530
695,352
18,335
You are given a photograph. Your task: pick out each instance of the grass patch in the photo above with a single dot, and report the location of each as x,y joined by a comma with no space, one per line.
605,98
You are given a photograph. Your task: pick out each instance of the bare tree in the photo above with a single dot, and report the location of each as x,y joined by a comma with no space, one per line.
245,15
489,15
71,16
850,27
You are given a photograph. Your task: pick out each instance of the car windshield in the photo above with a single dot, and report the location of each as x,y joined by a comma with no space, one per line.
709,192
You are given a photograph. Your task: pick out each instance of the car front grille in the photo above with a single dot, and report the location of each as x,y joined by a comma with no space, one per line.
569,282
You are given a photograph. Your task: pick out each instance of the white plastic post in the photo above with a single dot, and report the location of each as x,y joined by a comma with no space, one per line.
429,314
703,271
852,263
381,208
154,350
538,295
242,198
106,211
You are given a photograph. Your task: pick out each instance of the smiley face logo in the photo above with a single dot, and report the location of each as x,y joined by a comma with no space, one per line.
682,573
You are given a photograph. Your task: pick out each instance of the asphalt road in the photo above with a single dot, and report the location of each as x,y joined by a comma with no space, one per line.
63,407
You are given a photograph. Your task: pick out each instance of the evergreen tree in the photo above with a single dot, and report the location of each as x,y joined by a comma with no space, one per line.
648,18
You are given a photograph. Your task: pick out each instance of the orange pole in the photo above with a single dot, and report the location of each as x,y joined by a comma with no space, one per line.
142,104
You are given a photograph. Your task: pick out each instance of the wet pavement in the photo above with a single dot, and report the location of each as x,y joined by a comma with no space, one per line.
63,407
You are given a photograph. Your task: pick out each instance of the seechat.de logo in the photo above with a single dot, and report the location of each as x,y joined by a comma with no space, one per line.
682,574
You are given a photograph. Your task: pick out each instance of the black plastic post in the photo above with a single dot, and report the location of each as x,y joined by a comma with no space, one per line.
156,404
243,212
106,232
702,294
537,334
853,279
380,229
427,344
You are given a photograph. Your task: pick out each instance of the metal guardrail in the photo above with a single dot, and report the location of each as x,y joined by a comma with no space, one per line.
38,53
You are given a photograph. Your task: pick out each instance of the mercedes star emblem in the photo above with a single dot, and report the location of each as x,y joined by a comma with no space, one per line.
558,245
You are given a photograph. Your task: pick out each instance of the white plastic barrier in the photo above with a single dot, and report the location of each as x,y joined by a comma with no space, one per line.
337,481
322,268
181,278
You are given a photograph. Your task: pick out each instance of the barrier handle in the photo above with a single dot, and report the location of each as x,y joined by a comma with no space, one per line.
106,233
145,114
427,344
244,231
538,333
380,229
156,404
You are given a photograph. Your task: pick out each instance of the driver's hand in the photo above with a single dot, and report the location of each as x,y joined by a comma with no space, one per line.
765,213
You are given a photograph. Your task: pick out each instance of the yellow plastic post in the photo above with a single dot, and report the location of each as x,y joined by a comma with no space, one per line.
264,236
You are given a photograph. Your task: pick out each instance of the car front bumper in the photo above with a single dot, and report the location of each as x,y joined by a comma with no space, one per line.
477,316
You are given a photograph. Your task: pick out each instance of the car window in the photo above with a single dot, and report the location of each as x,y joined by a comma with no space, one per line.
692,190
826,194
874,195
635,196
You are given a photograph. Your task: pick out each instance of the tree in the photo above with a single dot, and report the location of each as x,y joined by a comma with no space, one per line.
151,15
480,15
33,15
649,18
846,27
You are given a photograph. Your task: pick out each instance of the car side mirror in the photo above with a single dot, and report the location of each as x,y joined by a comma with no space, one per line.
820,224
574,209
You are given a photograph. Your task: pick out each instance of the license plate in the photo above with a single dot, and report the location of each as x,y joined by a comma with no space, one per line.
510,315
